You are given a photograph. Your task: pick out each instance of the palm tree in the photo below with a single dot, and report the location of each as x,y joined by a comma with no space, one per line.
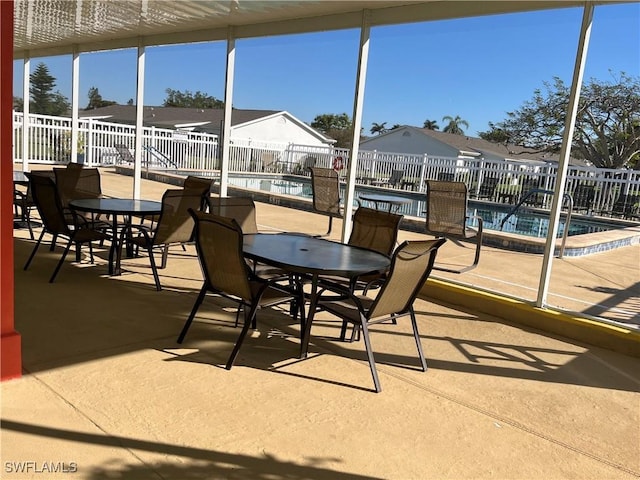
378,128
431,125
454,125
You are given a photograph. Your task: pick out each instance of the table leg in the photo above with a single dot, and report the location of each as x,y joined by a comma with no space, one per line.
304,345
114,264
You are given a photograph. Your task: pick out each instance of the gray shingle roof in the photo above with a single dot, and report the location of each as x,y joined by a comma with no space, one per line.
172,116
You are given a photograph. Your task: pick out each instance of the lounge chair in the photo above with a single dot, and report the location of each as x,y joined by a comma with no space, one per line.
124,153
625,206
446,217
395,180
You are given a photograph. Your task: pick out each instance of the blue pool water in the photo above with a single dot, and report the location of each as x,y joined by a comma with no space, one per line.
524,223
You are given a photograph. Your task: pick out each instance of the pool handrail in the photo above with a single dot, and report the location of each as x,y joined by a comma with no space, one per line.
530,193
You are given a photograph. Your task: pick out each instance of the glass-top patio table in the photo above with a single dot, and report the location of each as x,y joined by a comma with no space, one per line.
314,257
114,207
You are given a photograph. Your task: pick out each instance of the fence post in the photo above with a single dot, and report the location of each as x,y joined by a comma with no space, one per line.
88,148
423,169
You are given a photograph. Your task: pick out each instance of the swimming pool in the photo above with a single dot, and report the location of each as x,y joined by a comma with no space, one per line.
526,223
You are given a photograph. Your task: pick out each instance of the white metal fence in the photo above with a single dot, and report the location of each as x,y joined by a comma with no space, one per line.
50,138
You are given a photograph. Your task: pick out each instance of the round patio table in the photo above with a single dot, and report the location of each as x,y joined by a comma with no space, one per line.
114,207
311,256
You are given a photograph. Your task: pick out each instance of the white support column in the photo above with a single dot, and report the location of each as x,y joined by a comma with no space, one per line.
361,77
228,102
75,95
565,153
137,164
26,100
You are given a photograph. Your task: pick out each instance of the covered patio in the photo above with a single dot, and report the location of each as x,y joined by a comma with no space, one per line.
109,392
106,392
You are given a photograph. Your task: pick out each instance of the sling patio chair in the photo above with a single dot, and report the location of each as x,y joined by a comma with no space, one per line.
219,243
202,185
56,222
624,206
375,230
174,226
325,190
243,211
446,217
583,196
411,265
487,188
24,203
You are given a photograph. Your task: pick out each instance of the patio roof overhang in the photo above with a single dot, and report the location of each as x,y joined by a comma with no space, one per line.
45,27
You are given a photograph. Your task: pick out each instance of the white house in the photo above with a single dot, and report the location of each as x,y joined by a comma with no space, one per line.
269,126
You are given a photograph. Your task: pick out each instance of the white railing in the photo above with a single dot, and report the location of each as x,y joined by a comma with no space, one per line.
49,142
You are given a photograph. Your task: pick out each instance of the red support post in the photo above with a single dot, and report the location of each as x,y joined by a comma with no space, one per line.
10,340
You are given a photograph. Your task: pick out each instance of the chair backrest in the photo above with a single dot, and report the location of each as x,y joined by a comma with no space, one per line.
76,183
396,177
48,202
325,189
200,185
625,204
488,187
241,209
125,153
411,265
375,229
219,246
446,208
175,224
583,195
74,166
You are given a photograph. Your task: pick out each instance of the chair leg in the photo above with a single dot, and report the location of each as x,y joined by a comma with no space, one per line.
194,310
154,268
416,336
27,217
35,249
54,239
64,255
165,255
372,362
248,320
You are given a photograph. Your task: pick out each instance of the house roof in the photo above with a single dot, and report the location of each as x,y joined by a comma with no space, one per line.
473,146
465,143
170,117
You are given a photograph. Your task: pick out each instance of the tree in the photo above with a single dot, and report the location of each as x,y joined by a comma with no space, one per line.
43,99
339,127
395,125
607,130
431,125
96,101
176,98
453,125
379,128
18,104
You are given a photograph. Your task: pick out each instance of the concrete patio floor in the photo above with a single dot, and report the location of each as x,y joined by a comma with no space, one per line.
107,393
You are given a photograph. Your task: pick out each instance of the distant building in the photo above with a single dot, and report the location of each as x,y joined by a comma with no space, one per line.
421,141
262,125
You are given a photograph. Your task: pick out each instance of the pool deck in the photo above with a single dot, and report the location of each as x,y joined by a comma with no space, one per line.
108,392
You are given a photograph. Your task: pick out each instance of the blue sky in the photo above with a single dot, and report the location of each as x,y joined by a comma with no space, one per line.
476,68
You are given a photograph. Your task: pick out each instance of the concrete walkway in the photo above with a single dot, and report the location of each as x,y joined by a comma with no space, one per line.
107,393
